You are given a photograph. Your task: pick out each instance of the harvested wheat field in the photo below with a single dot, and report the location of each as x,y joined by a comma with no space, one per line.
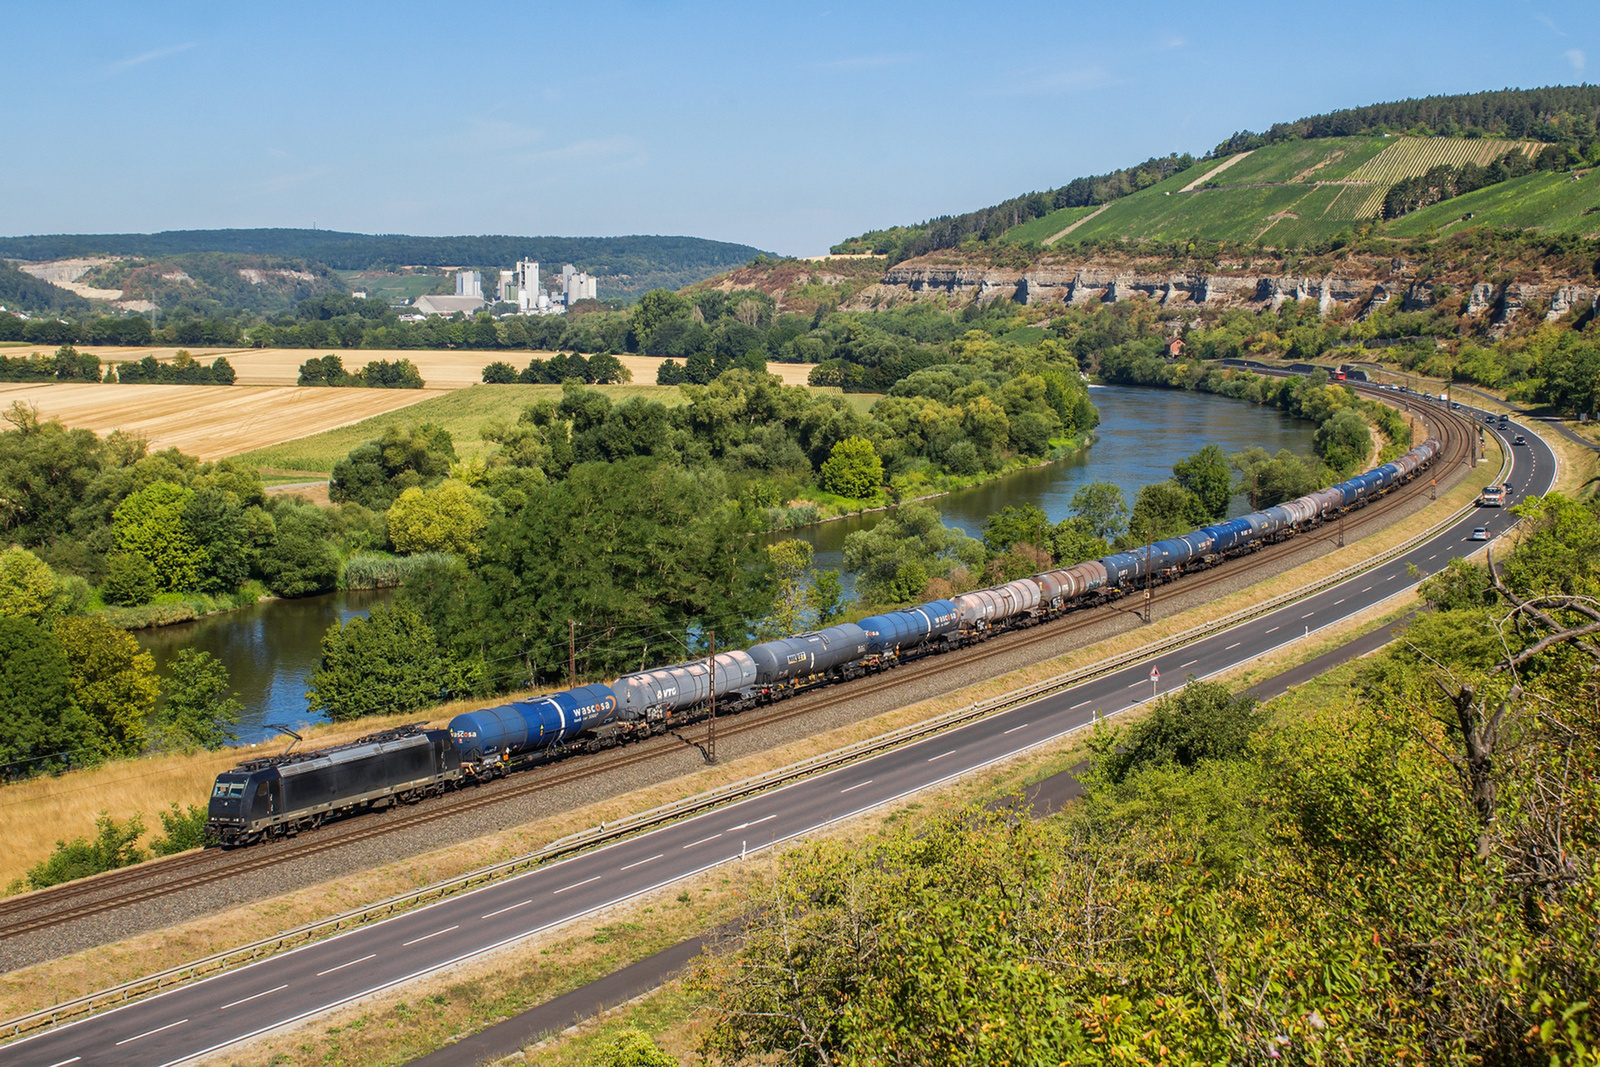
441,369
209,421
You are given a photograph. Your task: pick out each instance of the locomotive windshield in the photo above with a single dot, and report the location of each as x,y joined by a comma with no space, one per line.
228,789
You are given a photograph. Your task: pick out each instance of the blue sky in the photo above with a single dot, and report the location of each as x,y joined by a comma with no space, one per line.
787,126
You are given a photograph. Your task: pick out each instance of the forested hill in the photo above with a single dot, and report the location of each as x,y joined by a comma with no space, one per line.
627,264
1554,129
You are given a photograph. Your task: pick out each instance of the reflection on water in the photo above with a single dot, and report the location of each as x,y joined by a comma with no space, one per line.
1142,433
272,648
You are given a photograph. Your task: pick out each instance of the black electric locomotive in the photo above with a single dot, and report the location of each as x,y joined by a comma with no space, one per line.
282,795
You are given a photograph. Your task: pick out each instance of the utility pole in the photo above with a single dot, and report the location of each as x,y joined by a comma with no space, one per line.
572,654
1147,597
711,725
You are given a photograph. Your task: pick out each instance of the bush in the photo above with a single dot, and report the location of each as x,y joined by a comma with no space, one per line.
853,469
184,829
1204,721
114,845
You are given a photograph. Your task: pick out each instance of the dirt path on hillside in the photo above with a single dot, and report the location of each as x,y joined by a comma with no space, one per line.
1214,171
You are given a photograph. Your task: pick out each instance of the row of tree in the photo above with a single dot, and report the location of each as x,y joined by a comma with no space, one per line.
377,374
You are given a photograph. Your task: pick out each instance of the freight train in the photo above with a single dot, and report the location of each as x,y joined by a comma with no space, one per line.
284,795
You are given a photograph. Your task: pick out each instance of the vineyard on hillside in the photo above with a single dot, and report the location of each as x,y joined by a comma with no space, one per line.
1412,157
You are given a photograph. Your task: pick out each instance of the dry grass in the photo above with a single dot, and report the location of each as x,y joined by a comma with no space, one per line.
209,421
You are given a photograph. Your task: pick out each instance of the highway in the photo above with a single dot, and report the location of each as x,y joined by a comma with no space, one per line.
205,1016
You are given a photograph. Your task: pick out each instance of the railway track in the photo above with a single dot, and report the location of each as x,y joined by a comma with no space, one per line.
119,889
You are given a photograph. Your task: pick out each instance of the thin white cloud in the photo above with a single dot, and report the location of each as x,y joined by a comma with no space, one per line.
133,61
1550,23
1169,43
1576,57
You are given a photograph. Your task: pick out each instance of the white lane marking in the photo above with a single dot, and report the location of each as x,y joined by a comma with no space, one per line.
1368,589
424,937
941,755
1391,577
1141,681
147,1033
1191,663
753,822
247,1000
1434,556
1308,615
1341,600
1014,729
1275,628
508,907
858,785
641,863
1075,707
1230,648
575,885
352,963
63,1063
702,841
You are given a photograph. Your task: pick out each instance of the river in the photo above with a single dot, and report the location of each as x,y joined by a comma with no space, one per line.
272,648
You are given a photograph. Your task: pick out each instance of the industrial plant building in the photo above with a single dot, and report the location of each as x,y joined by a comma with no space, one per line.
519,286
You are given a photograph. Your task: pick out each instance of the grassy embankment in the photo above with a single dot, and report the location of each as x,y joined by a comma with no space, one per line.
52,982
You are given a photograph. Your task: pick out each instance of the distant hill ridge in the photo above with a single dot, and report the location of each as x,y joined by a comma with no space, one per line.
625,265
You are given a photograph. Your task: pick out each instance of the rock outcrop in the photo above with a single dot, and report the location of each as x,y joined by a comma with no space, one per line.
1068,285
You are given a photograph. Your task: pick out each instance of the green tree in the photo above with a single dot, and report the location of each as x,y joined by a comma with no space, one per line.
150,524
1012,525
1344,441
1206,474
791,565
1073,541
376,472
450,517
215,522
1162,510
40,717
111,681
130,579
1270,480
826,598
29,589
896,558
853,469
1100,504
384,663
182,829
300,561
198,709
628,550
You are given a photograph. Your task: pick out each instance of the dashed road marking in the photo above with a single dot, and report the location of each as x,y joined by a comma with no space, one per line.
492,914
858,785
702,841
575,885
147,1033
364,959
941,755
259,995
641,863
424,937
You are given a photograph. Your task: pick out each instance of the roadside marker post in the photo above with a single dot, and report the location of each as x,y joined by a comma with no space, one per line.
1155,680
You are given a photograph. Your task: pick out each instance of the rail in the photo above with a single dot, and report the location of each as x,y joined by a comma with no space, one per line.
305,934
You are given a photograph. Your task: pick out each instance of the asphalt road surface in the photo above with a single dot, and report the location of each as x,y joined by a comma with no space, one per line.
209,1015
